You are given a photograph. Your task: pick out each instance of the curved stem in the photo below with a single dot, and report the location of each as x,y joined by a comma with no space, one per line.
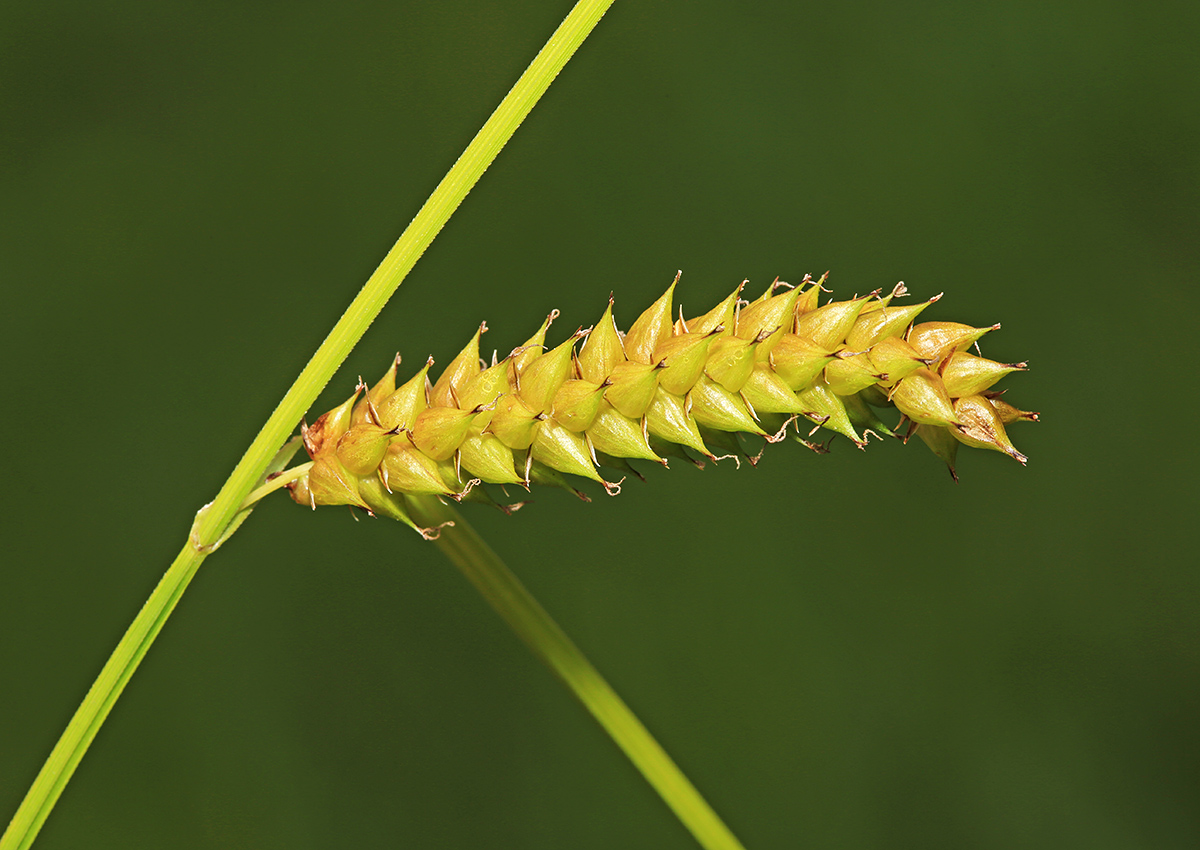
281,479
510,599
218,520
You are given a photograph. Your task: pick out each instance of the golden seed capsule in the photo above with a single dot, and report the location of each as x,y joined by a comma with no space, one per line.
715,407
768,319
577,403
650,328
826,327
852,373
981,427
462,369
935,340
367,409
682,357
923,398
324,434
632,387
878,325
399,409
406,469
329,483
438,431
487,387
766,392
564,450
361,449
619,436
1009,414
798,361
602,350
541,379
809,298
965,374
514,423
823,406
669,418
730,361
531,349
895,358
723,316
487,458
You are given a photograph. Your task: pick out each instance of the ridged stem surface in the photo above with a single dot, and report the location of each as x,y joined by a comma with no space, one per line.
216,521
505,593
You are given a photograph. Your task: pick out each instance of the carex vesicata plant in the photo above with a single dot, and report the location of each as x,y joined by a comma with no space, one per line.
716,386
777,368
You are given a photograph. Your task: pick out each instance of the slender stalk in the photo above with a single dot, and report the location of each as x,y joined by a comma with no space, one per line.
510,599
216,521
274,483
73,743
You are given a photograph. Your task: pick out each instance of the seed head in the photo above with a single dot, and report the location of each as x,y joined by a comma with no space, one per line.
690,389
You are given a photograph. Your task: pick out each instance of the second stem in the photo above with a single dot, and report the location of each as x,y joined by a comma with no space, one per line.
505,593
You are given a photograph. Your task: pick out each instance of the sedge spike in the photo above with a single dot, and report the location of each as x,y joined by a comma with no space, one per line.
669,387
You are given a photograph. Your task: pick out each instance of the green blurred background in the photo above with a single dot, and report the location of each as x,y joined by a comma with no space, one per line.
842,651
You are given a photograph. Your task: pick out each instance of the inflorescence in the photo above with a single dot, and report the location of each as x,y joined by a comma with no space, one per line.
772,368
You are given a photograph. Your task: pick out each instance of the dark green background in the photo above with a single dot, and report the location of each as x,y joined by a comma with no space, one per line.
842,651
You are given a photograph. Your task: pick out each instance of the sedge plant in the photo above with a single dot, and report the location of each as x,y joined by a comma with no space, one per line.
715,386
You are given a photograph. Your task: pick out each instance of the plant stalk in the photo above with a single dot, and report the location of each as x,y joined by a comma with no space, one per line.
74,741
517,606
216,520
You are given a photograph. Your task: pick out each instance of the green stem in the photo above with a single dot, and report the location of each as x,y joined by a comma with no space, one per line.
505,593
281,479
73,743
214,523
